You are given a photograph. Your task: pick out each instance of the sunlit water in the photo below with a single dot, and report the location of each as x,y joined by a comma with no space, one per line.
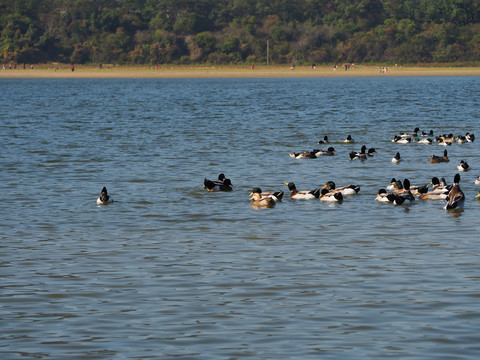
172,271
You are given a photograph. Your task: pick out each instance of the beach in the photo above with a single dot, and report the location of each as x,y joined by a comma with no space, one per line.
233,71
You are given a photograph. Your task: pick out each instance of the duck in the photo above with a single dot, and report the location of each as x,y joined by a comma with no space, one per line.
456,197
405,192
371,151
414,134
303,194
324,141
218,185
396,158
261,201
426,141
439,185
329,196
361,155
449,139
470,137
104,198
463,166
430,133
329,152
461,139
477,180
434,159
304,155
349,140
423,194
401,140
391,186
383,196
275,195
345,190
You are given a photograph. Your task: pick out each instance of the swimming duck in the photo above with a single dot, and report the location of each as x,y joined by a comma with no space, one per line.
303,194
401,140
275,195
434,159
405,192
218,185
449,139
396,158
439,185
329,196
391,186
345,190
104,198
477,180
361,155
463,166
426,141
423,193
304,155
371,151
383,196
429,134
324,141
259,200
456,197
329,152
470,137
414,134
461,139
349,140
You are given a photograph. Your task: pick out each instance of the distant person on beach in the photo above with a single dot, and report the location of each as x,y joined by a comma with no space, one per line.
253,66
73,67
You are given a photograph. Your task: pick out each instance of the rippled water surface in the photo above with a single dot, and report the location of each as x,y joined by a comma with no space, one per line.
172,271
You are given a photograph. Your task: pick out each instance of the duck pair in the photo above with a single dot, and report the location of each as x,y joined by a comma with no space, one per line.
221,184
363,154
313,154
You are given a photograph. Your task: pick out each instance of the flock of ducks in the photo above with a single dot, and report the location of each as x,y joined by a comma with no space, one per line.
400,192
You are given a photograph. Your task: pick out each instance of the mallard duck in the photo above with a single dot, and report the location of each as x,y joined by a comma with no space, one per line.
461,139
463,166
396,158
261,201
304,155
361,155
349,140
329,152
391,186
426,141
401,140
434,159
324,141
456,197
217,185
414,134
382,196
329,196
104,198
405,192
275,195
477,180
303,194
345,190
449,139
427,134
423,193
470,137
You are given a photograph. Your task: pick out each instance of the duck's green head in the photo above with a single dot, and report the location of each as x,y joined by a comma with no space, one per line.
291,186
330,185
256,190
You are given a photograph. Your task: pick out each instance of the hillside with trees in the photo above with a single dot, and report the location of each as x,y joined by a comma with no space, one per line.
238,31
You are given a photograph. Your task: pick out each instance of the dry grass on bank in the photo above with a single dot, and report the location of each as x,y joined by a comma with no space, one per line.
239,71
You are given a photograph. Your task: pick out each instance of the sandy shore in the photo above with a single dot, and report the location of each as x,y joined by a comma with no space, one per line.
88,71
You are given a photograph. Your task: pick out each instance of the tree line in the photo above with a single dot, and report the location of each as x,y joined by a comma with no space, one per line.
238,31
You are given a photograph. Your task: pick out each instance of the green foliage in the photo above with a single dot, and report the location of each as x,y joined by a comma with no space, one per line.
232,31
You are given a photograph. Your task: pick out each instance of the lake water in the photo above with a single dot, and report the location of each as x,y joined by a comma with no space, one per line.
171,271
